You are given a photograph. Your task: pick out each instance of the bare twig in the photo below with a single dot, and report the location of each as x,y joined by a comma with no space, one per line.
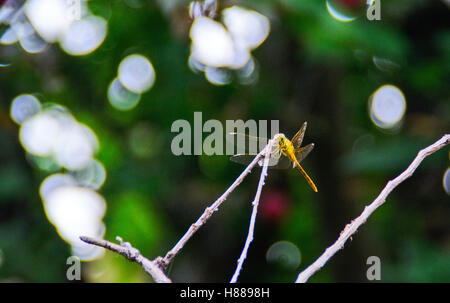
351,228
132,254
208,213
255,204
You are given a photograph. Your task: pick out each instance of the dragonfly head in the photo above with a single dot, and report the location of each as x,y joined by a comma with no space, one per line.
281,140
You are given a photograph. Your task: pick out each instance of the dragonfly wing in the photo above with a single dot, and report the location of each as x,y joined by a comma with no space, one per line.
246,143
243,158
247,158
301,153
283,163
298,138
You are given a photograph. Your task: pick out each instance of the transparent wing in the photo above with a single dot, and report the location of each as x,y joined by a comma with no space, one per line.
275,162
246,143
301,153
283,163
248,137
243,158
298,138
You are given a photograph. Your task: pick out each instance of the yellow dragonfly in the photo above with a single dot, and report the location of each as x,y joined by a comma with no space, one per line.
291,151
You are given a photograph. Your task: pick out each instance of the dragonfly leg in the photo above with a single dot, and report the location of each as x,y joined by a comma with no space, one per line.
275,152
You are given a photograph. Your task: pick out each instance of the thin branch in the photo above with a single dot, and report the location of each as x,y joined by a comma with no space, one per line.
132,254
208,213
351,228
255,204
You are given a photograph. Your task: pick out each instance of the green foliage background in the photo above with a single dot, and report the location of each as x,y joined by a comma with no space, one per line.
311,68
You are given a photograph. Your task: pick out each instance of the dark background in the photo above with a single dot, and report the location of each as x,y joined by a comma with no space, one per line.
311,68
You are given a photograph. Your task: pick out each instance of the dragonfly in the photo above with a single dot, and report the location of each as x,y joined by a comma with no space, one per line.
285,153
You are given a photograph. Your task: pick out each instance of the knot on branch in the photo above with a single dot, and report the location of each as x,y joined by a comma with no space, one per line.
161,262
130,252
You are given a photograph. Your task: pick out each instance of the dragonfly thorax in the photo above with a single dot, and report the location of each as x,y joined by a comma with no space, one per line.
284,144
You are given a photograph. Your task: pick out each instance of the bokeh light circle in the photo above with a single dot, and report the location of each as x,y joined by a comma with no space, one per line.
23,107
75,211
284,253
54,181
54,132
33,43
446,181
217,76
49,17
247,27
387,106
348,10
93,175
136,73
39,133
75,147
212,45
144,141
120,97
9,36
84,36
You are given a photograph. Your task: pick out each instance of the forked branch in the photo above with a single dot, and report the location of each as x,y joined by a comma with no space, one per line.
254,211
209,212
132,254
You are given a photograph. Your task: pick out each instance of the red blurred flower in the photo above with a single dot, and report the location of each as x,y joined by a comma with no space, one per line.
274,205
